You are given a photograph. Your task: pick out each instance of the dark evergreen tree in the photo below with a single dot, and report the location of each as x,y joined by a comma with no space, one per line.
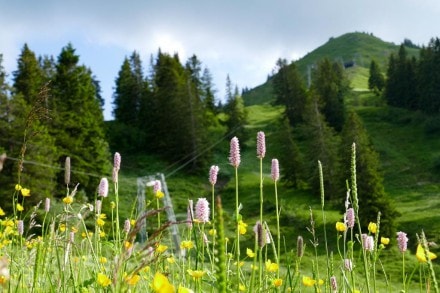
208,91
78,123
237,116
322,145
331,85
290,91
429,78
371,194
376,80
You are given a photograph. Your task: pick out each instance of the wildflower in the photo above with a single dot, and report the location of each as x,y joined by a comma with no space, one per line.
384,240
103,280
202,210
2,212
112,204
250,253
262,234
19,207
117,161
300,246
367,242
341,227
159,194
186,244
271,266
103,259
127,226
308,282
133,222
20,227
333,283
98,206
402,241
62,227
213,172
350,217
157,189
277,283
275,170
171,260
196,274
261,145
18,187
100,220
67,171
132,280
372,227
189,213
68,199
115,175
128,245
161,248
161,284
421,256
102,234
25,192
234,154
348,264
184,290
242,227
242,287
103,187
212,232
47,205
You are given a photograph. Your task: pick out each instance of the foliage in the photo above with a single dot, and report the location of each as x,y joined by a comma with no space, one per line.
376,80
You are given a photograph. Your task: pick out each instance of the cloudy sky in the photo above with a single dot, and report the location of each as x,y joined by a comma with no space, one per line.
242,38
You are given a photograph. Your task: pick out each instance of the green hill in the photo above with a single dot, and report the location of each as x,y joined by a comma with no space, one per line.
354,50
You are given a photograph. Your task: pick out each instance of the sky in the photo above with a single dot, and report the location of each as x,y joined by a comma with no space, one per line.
239,38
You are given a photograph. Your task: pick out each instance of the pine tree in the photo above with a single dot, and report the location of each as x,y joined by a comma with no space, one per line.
237,116
290,91
428,78
331,85
376,80
371,193
78,122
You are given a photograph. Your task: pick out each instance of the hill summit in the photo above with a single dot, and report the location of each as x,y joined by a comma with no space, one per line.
354,50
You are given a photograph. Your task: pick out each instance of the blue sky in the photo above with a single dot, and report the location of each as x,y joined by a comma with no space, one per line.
240,38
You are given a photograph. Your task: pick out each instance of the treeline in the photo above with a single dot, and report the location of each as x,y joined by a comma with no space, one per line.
53,110
317,118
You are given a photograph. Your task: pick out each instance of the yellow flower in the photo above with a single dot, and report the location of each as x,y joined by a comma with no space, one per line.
102,234
159,194
25,192
62,227
184,290
171,260
100,222
103,280
74,229
103,259
212,232
277,283
186,244
161,284
196,274
161,248
132,222
18,187
308,282
250,253
242,287
341,227
19,207
242,227
132,280
68,199
384,240
2,212
420,254
271,267
128,245
372,227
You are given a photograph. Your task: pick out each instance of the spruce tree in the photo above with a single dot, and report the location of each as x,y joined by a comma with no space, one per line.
78,122
376,80
371,193
290,91
428,77
237,117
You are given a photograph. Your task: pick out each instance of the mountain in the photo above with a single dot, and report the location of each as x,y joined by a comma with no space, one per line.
354,50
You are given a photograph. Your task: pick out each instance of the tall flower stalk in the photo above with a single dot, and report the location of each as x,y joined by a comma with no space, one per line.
261,152
275,172
234,160
321,187
115,177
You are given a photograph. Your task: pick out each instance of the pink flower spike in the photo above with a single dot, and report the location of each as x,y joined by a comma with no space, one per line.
103,187
117,161
348,264
202,210
213,172
275,170
234,154
350,218
402,241
367,242
261,145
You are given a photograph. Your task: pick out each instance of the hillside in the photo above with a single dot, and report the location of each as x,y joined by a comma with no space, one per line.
355,50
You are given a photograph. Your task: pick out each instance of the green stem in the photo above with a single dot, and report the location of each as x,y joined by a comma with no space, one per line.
237,218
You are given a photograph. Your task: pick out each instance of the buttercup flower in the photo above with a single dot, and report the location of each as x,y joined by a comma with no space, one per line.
196,274
132,280
384,240
372,227
68,199
19,207
277,283
250,253
271,267
420,254
242,227
341,227
103,280
25,192
161,284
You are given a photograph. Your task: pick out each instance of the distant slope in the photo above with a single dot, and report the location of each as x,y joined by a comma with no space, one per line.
355,48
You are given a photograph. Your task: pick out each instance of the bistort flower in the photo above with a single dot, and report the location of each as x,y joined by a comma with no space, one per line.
202,210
